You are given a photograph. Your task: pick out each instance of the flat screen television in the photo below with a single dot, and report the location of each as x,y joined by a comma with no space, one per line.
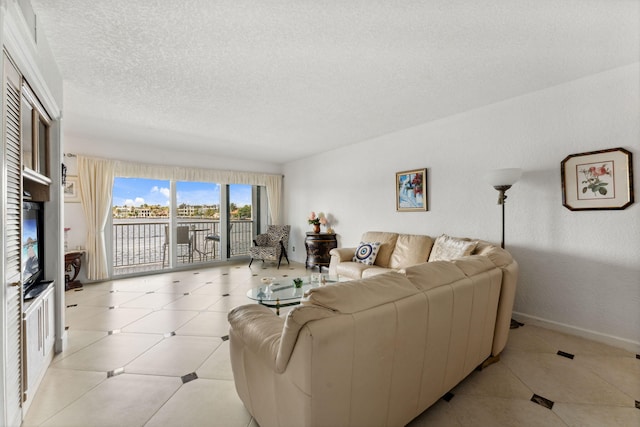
32,246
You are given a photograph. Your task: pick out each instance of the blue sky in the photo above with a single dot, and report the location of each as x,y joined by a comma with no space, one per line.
137,191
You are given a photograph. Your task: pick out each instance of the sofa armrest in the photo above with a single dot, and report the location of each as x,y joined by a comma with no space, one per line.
505,307
343,254
296,319
269,336
339,255
259,329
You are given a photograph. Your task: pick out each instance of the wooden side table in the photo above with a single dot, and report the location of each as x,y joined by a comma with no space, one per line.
318,246
72,265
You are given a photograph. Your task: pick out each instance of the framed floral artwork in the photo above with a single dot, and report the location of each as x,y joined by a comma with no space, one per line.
71,194
597,180
411,190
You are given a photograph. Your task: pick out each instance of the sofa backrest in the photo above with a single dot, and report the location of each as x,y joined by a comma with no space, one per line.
340,298
496,254
410,249
388,244
358,295
429,275
392,335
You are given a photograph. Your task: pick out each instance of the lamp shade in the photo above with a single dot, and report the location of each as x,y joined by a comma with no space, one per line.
508,176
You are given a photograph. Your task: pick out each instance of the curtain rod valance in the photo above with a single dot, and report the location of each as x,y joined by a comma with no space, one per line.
181,173
272,182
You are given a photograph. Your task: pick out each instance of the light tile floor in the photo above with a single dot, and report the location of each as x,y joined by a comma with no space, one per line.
132,341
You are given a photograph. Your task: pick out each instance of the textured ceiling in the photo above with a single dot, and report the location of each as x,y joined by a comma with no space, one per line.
281,80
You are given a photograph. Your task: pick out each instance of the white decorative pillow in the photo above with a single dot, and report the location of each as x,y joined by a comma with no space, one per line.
447,248
366,252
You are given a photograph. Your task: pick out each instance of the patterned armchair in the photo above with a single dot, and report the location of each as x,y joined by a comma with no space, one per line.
271,245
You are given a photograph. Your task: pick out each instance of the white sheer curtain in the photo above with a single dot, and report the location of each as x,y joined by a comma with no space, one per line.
95,178
274,196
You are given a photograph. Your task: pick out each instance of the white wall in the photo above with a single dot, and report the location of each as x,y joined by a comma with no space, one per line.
580,271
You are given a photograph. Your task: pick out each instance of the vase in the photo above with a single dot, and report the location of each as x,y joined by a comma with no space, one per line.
316,228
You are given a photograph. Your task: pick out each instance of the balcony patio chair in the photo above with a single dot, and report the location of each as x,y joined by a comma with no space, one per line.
183,238
213,239
271,245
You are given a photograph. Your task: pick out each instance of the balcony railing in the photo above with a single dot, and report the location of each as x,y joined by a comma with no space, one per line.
141,244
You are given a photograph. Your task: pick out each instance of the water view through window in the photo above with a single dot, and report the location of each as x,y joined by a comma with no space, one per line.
142,219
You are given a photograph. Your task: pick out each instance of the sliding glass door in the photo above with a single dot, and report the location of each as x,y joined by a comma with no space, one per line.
198,211
241,219
140,217
163,224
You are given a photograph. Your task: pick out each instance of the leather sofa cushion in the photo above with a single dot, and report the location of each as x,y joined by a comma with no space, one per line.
474,264
429,275
358,295
374,270
496,254
447,248
351,269
388,243
410,249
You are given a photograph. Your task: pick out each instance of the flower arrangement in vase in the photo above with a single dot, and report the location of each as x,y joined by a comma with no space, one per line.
316,220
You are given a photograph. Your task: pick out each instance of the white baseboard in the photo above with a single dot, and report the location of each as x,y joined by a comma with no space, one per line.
629,345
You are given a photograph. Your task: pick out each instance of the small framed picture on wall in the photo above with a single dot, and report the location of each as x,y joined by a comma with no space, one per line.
597,180
411,190
71,190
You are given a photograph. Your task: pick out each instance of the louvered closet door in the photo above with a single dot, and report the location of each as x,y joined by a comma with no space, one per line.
13,291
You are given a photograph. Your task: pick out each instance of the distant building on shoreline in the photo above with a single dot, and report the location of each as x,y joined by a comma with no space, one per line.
158,211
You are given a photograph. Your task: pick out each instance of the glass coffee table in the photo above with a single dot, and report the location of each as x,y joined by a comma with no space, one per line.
283,293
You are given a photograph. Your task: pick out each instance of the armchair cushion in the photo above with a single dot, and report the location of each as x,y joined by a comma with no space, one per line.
262,240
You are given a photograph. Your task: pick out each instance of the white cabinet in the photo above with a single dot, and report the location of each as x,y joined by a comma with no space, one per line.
38,340
49,320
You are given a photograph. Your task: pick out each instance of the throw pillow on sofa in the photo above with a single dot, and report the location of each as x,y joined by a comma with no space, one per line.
447,248
366,252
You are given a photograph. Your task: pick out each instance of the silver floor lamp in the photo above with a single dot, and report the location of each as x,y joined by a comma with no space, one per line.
502,180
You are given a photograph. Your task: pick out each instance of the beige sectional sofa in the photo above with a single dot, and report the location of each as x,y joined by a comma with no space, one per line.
398,251
373,351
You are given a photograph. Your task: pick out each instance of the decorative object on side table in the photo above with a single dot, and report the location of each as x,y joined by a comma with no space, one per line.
597,180
297,282
411,190
316,220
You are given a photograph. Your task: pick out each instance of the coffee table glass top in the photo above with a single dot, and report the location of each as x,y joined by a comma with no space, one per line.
283,289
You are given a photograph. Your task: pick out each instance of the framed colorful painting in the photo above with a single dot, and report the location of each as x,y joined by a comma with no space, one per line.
411,190
597,180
